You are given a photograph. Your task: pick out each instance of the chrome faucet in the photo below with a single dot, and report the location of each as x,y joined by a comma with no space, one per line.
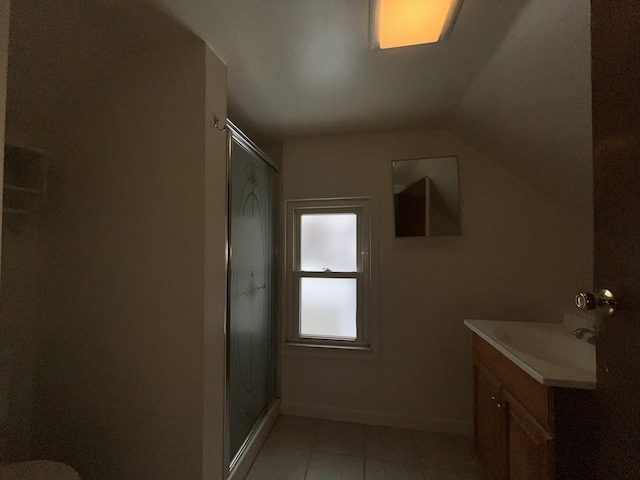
579,333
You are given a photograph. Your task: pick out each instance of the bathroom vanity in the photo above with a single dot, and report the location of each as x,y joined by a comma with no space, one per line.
535,404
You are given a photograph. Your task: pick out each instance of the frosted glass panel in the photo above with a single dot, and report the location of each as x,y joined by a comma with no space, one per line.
328,307
251,369
328,241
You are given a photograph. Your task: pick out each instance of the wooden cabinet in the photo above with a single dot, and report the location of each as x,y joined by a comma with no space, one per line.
528,431
531,452
490,439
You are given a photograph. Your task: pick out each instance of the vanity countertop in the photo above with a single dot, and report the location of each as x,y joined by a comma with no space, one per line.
548,352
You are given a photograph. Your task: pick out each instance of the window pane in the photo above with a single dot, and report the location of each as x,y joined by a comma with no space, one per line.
328,241
328,307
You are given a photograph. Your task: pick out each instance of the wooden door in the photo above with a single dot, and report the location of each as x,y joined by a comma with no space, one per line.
616,150
490,424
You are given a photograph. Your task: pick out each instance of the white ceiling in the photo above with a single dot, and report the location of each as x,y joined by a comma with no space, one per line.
305,67
512,79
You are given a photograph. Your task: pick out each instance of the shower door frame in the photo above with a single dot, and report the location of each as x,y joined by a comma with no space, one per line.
234,133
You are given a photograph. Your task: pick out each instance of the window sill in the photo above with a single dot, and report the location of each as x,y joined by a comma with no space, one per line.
329,351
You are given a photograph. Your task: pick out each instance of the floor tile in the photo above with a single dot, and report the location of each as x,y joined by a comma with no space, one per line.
448,452
391,444
298,432
340,437
331,466
282,463
300,448
435,474
379,470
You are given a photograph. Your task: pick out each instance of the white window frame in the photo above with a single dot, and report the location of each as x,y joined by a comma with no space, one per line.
295,209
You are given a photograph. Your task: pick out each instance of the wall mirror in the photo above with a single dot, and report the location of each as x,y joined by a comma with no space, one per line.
425,193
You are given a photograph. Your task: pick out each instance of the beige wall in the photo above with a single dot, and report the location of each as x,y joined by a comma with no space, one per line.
520,257
130,376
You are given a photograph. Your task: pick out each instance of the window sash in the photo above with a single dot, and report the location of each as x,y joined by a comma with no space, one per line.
321,340
354,209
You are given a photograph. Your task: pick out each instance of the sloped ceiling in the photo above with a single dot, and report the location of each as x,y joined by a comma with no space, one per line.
59,49
529,109
512,80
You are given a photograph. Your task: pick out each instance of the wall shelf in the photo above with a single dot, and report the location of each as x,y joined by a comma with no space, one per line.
14,188
25,178
15,211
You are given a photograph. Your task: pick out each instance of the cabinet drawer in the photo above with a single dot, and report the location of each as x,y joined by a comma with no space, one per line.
535,397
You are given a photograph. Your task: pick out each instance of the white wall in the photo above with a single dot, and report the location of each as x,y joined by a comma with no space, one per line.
20,312
215,263
20,306
4,58
520,257
131,371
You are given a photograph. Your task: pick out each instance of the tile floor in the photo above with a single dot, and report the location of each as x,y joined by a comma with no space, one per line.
301,448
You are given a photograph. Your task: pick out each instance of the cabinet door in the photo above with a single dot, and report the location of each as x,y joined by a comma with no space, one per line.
530,446
490,424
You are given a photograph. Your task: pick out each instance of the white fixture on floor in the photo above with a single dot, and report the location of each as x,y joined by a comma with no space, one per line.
38,470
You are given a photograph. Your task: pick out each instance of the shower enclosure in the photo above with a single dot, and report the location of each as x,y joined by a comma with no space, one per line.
251,326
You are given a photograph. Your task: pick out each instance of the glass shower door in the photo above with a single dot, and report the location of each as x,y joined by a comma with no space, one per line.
250,348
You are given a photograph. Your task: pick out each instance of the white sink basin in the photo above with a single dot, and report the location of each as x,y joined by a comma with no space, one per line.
546,351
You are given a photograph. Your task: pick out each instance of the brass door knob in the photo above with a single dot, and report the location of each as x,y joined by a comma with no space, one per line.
586,301
603,299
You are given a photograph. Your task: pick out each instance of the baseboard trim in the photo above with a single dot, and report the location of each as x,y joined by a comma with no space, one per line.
443,425
244,463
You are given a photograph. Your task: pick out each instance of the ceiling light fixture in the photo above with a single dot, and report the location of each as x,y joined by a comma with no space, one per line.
400,23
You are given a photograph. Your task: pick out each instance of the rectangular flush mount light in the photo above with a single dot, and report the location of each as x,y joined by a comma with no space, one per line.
400,23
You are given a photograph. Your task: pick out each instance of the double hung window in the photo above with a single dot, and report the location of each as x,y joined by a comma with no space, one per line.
329,273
